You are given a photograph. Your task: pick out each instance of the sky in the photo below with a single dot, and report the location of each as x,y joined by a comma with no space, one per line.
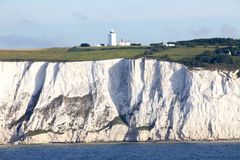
65,23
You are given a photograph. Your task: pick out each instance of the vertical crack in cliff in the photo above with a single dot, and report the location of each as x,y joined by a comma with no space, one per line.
120,77
119,87
210,129
142,68
94,85
156,86
133,132
56,71
39,83
223,84
170,118
136,106
184,104
26,69
15,105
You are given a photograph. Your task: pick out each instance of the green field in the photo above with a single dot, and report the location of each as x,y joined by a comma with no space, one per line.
62,54
89,54
183,52
184,55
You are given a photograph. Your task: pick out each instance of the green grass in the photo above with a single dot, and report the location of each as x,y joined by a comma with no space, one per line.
118,120
115,121
62,54
176,54
184,55
147,128
37,132
91,53
101,53
237,60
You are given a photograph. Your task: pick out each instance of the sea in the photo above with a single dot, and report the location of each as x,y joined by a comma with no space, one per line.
124,151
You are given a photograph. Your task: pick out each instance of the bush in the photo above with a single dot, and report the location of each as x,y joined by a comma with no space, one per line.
85,45
211,42
154,48
208,58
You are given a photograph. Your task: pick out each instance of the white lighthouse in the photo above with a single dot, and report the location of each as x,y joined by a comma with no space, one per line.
112,38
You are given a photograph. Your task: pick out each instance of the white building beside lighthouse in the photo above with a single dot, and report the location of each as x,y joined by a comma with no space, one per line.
112,38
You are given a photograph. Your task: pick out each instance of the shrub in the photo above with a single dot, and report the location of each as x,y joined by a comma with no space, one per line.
85,45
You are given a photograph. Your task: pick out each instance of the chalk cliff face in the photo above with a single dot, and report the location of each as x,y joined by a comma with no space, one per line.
116,100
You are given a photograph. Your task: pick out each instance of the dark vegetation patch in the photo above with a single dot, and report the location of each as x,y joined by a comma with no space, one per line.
115,121
210,42
37,132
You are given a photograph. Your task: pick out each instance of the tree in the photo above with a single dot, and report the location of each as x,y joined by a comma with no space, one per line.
85,45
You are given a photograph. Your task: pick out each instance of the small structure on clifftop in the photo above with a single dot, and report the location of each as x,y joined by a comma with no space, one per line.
112,38
124,43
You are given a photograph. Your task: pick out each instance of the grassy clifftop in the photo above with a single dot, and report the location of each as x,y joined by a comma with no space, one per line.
62,54
92,53
197,56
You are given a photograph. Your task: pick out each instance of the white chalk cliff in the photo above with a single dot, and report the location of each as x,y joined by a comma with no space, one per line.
116,100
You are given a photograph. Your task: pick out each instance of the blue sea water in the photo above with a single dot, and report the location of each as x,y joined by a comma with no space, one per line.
124,151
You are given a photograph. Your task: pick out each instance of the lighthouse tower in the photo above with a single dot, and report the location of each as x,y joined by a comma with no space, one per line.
112,38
